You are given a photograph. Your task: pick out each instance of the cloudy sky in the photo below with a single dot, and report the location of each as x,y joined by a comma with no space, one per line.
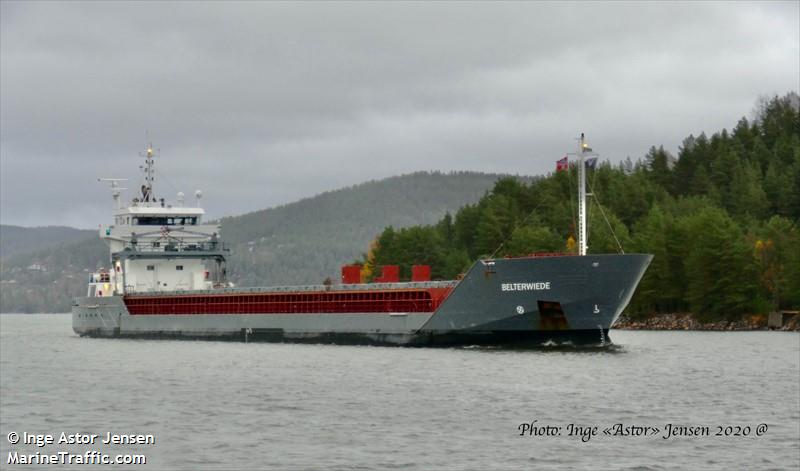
261,104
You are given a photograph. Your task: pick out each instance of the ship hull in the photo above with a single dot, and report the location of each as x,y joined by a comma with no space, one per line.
510,339
511,302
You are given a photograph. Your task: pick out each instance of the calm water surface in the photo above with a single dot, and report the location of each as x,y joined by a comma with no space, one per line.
215,405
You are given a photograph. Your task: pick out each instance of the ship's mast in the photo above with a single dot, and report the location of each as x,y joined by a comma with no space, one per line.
583,239
149,175
582,242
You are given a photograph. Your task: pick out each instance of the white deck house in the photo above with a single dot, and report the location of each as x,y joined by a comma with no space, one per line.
156,247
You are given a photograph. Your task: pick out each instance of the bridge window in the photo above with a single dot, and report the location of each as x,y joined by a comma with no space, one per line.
150,221
151,267
164,221
179,267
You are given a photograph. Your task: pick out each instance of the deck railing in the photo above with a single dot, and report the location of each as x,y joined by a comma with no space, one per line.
176,246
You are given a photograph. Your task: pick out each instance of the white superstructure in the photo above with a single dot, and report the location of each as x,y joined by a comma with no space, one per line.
156,246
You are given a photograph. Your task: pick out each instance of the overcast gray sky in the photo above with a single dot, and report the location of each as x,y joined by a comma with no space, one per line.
261,104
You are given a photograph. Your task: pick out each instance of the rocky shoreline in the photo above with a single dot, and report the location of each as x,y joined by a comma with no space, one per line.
688,322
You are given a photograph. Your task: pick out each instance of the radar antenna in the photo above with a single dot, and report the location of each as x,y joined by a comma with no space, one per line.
115,188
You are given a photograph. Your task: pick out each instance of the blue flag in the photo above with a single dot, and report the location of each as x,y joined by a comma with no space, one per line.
591,162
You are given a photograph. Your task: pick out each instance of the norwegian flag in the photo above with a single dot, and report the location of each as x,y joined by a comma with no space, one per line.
562,164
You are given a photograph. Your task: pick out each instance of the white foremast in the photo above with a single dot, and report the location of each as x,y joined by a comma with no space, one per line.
583,151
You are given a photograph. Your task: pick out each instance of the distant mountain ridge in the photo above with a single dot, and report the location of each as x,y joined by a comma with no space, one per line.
15,240
301,242
307,241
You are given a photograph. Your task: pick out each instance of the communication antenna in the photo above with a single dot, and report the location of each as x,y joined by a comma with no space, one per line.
115,189
197,195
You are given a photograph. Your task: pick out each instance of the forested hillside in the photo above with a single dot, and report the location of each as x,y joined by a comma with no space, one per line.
15,240
47,280
721,218
301,242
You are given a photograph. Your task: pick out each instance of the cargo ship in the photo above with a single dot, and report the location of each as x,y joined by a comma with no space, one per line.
168,279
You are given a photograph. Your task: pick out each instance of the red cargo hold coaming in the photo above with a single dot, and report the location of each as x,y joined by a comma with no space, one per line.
305,302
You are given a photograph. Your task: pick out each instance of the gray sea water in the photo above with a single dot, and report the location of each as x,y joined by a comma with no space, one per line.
216,405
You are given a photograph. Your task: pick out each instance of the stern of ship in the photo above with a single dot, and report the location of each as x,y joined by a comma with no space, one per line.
98,316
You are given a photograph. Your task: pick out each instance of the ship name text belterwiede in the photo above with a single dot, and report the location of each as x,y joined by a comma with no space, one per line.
541,285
